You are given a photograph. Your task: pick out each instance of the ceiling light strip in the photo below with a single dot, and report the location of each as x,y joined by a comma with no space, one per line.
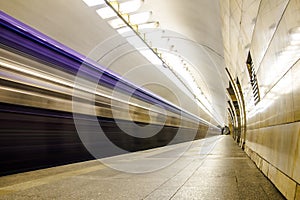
135,31
164,64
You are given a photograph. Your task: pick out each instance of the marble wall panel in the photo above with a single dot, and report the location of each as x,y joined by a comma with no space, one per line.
278,145
270,12
296,91
278,58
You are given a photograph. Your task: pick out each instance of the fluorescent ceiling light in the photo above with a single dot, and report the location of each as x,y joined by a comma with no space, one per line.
295,36
116,23
294,42
151,57
292,48
123,30
91,3
149,25
130,6
139,18
295,33
106,12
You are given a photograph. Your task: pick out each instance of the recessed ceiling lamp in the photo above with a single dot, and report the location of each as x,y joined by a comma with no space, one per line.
292,48
294,34
130,6
149,25
106,12
136,19
139,18
116,23
138,27
294,42
150,56
121,8
91,3
124,29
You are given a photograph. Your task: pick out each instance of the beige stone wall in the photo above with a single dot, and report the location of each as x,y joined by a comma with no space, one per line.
272,139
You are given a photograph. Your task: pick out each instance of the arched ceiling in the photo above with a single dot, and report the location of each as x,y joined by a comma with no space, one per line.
189,29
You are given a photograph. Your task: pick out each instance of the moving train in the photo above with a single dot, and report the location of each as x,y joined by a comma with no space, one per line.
54,101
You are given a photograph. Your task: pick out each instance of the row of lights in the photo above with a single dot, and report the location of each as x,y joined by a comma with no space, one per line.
123,17
175,64
120,15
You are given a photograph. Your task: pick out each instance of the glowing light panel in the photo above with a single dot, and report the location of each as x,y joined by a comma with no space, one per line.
149,25
130,6
116,23
106,13
139,18
91,3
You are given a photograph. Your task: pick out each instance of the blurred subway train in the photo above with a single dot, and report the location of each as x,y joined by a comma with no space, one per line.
54,102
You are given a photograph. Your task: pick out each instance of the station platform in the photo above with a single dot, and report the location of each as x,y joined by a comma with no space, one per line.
211,168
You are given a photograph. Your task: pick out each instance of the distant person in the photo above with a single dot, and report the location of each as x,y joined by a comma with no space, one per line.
226,130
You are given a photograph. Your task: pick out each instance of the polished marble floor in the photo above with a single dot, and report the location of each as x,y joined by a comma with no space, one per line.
211,168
